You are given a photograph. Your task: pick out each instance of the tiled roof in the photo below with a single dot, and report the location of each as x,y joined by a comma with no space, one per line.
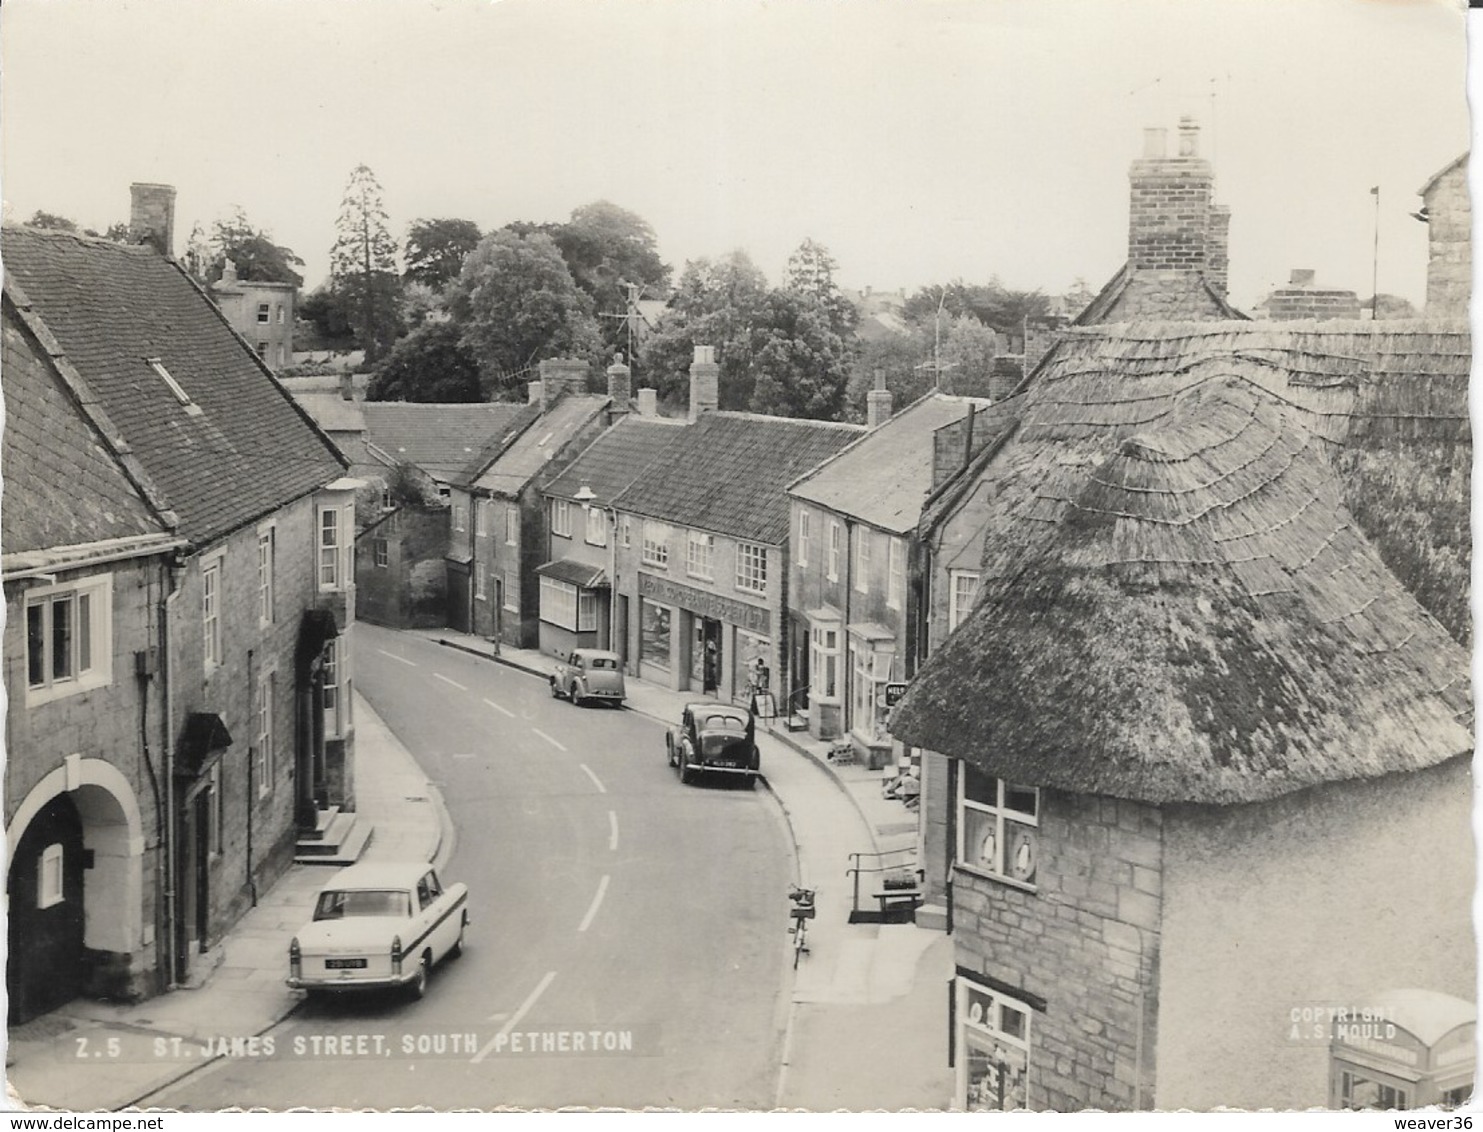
523,459
62,485
439,439
240,449
332,412
616,458
883,477
729,473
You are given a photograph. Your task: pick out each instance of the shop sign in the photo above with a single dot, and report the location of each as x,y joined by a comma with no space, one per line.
894,692
750,617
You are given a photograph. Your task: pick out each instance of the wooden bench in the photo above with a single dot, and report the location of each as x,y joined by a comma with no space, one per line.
894,897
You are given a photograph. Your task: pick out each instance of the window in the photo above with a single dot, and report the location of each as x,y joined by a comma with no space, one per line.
597,526
751,567
511,588
561,518
280,314
559,603
266,553
993,1055
833,561
68,647
656,544
211,613
381,553
962,590
262,764
804,521
334,690
333,547
586,611
625,530
262,350
215,811
481,517
512,524
1356,1091
387,502
997,826
824,659
700,553
262,312
872,670
654,633
170,382
460,514
480,593
49,874
895,573
860,568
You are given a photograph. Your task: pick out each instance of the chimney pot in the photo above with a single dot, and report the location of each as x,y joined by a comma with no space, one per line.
1155,140
1189,137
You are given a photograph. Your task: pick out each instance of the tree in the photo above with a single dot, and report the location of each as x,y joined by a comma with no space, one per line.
363,271
517,303
429,364
324,309
43,219
718,303
435,250
606,247
251,250
810,273
801,365
968,352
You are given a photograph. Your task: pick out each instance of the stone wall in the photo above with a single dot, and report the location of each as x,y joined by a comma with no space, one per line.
1085,942
411,590
1449,273
1292,303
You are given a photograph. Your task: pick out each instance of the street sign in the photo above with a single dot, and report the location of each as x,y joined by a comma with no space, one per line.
894,692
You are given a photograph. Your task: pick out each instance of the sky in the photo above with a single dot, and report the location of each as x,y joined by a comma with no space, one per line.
919,141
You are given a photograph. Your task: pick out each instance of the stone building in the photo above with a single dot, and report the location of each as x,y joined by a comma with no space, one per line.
179,610
1210,697
262,312
1448,210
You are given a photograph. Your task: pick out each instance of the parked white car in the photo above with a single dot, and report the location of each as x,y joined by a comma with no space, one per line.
379,925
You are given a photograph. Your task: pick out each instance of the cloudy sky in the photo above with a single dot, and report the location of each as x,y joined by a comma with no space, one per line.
919,141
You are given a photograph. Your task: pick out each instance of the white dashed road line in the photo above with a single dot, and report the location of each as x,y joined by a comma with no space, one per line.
602,888
446,680
601,789
530,1000
613,831
404,660
496,707
554,742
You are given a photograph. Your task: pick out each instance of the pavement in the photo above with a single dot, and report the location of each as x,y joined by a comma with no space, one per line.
867,1011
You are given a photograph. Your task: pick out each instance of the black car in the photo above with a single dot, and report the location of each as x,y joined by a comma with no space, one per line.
714,738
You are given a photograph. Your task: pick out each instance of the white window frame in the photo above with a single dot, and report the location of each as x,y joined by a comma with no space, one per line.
860,567
586,611
895,573
559,603
957,608
265,740
512,524
700,555
561,518
804,523
510,588
870,672
460,513
213,640
381,553
597,527
91,642
215,811
1001,821
980,1013
481,592
267,567
656,543
174,386
264,313
751,568
336,689
481,517
387,503
625,530
824,658
832,560
280,314
51,876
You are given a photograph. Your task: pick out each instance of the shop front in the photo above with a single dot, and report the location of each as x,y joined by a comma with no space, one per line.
690,640
991,1047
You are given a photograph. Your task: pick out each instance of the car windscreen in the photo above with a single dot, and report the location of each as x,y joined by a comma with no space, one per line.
340,904
602,662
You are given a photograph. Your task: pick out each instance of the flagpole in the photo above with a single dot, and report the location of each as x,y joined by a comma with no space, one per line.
1375,266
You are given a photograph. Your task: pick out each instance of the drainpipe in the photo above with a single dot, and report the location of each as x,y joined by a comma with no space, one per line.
252,692
847,675
176,579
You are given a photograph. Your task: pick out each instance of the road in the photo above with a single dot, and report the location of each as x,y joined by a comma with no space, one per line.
608,901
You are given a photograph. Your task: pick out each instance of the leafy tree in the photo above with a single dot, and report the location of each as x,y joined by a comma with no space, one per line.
363,265
606,247
801,364
718,303
810,273
905,360
43,219
968,352
435,250
420,303
251,249
429,364
324,309
517,303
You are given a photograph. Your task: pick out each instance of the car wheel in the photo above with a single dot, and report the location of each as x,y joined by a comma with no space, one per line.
418,987
457,949
669,751
687,773
579,695
555,689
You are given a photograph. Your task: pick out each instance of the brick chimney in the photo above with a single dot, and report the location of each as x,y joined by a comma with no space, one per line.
1218,257
705,381
560,376
152,216
620,385
648,403
878,402
1169,215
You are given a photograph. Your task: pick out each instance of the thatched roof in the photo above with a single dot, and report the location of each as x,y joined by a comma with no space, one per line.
1177,603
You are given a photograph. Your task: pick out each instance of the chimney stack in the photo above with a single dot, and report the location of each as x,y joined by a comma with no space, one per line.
1170,221
705,381
620,386
878,402
560,376
152,216
648,402
532,392
229,272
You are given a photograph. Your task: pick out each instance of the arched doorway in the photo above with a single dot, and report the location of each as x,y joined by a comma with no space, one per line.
47,956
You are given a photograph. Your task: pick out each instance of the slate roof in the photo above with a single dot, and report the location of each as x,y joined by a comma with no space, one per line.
440,439
1215,565
883,477
728,473
241,449
616,458
506,466
332,412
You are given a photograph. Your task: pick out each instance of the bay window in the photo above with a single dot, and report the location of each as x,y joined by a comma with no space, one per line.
559,603
334,547
872,670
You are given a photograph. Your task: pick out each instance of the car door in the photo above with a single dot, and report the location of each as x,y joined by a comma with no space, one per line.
430,891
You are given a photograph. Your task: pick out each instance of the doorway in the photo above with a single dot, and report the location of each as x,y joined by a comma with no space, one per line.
706,659
48,961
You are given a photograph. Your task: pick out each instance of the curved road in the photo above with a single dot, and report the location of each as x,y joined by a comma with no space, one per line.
608,901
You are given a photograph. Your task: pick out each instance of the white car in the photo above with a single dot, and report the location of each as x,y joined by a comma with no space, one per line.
379,925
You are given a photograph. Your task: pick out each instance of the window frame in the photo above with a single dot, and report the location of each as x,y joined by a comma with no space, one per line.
1001,814
559,603
51,863
213,639
267,574
824,659
703,564
90,643
264,313
860,567
895,572
955,612
655,551
381,553
831,561
481,518
751,568
264,752
339,571
512,524
867,684
460,513
561,518
989,1029
597,522
804,524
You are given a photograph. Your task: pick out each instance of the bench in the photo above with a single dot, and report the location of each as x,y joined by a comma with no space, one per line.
896,897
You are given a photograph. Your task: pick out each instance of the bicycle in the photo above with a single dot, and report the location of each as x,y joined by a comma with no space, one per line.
801,912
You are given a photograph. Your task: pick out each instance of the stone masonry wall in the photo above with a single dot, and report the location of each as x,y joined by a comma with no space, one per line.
1291,303
1449,272
1086,942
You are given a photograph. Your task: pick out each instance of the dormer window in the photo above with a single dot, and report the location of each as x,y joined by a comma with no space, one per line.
174,386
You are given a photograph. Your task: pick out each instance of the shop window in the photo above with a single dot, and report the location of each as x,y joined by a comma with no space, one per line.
993,1049
656,544
700,555
597,526
561,518
654,633
804,522
872,670
824,660
68,645
962,591
751,568
49,877
1357,1091
997,826
895,573
559,603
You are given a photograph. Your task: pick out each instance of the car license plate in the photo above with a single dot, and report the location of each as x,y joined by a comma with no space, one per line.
344,964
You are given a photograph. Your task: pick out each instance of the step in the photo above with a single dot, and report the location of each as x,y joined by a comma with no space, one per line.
933,917
323,819
341,842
